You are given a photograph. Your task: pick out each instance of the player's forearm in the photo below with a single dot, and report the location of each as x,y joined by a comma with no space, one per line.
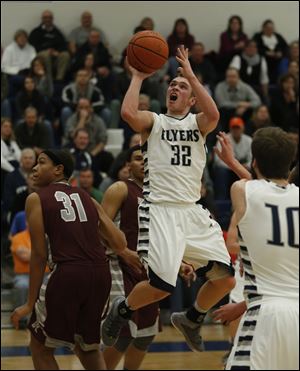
131,100
37,271
204,100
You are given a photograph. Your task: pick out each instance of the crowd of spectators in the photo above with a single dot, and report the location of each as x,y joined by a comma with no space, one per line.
59,91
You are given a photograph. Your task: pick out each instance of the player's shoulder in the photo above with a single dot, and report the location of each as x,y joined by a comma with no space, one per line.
239,185
117,189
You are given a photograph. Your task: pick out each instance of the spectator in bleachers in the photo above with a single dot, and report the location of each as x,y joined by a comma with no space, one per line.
18,224
5,103
33,133
202,66
241,143
284,103
41,77
179,36
29,96
232,42
253,69
272,46
15,182
293,70
79,151
102,62
16,60
83,88
10,151
86,118
260,119
79,35
235,98
51,44
292,57
86,182
147,23
118,171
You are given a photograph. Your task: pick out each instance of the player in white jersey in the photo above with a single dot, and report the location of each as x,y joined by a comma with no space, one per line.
267,213
172,226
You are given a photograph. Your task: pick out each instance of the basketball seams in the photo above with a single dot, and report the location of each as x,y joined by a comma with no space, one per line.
138,59
150,50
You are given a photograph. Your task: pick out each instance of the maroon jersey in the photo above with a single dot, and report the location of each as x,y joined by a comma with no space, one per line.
129,214
71,223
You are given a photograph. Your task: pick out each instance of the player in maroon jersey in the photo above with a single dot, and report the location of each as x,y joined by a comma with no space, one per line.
121,202
67,309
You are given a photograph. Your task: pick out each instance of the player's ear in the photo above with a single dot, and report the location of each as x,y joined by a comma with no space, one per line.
193,100
59,169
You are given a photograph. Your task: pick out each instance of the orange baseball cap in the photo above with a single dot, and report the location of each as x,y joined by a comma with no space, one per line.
236,122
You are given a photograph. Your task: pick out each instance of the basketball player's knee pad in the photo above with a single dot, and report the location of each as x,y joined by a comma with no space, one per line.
143,343
123,343
217,270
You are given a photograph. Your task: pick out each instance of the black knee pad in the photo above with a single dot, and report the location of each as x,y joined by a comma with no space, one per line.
143,343
123,343
216,270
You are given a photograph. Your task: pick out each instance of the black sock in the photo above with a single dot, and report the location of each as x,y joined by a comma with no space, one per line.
195,316
124,311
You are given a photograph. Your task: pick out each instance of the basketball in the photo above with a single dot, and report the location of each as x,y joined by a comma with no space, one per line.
147,51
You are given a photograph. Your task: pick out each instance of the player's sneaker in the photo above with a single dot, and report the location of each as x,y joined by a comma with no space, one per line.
113,323
189,329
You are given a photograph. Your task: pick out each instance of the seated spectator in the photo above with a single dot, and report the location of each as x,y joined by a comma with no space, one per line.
50,44
79,151
87,119
16,60
179,36
293,56
272,46
21,252
232,42
293,70
86,182
147,23
80,34
5,103
260,119
202,66
15,182
29,96
235,98
10,151
284,110
118,171
83,88
102,62
253,69
33,133
18,224
223,175
41,77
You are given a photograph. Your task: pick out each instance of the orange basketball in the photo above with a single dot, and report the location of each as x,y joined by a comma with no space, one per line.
147,51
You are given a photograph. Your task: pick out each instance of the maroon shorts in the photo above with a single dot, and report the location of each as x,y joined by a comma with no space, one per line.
70,306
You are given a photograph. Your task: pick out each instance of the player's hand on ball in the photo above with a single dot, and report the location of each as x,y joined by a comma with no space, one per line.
135,72
183,58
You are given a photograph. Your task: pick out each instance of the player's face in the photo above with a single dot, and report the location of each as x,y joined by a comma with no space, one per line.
44,172
179,96
136,165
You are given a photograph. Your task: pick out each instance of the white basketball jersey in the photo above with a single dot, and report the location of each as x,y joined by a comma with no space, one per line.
270,241
174,159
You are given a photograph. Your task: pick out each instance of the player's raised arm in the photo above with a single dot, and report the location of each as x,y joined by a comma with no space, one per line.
209,117
140,121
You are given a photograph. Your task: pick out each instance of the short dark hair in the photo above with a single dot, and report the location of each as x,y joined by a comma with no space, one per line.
61,157
131,151
273,151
